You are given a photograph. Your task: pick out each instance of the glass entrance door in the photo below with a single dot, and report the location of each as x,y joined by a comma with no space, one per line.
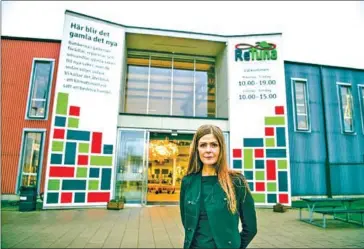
131,166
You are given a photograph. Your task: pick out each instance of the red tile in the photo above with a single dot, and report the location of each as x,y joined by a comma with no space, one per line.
279,110
271,170
74,111
98,197
58,133
259,186
56,171
82,160
237,153
96,142
66,197
259,153
269,131
283,198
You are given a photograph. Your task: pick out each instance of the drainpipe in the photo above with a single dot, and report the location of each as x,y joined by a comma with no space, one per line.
327,155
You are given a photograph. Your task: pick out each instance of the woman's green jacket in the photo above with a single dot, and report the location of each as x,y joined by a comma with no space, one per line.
224,224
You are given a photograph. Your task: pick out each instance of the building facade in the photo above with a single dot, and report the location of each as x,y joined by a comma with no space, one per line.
165,84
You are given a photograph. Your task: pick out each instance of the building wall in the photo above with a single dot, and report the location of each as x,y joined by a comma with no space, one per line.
346,151
16,68
307,149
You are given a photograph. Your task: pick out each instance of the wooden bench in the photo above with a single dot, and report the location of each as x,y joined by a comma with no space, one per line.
340,211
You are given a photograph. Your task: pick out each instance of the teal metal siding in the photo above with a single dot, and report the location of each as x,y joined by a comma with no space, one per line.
307,149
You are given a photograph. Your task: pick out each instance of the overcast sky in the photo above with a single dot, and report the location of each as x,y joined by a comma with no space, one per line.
330,33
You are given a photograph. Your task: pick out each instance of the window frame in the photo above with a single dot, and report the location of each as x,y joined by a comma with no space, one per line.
361,104
338,91
308,111
173,56
31,87
21,157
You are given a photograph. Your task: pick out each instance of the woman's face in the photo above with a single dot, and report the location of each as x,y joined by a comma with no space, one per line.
208,150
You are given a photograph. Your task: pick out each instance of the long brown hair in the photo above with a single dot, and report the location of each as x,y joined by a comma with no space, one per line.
223,173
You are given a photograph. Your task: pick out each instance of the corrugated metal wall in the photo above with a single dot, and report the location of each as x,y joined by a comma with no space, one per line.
16,65
346,151
307,149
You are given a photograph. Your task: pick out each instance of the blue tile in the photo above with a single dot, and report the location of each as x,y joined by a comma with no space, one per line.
251,186
281,137
70,155
52,198
275,153
248,175
80,197
60,121
74,185
78,135
108,149
237,164
253,142
272,198
56,158
106,179
259,164
282,181
94,172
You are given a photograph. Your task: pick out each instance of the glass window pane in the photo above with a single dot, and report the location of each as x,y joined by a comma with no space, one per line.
31,158
205,90
302,122
347,108
362,102
160,86
136,90
40,87
183,77
301,105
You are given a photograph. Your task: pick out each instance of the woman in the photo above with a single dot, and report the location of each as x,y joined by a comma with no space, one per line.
213,198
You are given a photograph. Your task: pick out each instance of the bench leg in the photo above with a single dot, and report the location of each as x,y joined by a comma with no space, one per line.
324,221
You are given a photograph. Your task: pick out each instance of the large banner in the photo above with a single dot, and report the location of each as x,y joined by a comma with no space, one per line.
85,110
258,116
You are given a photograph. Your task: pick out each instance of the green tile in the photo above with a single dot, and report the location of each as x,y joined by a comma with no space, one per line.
259,198
54,184
270,142
62,103
73,122
248,158
282,164
57,146
83,147
272,186
101,160
274,121
93,185
259,175
81,172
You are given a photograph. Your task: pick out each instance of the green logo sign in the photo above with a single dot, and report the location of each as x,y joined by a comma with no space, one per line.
262,51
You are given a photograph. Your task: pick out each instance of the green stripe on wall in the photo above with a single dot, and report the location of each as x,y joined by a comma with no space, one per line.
248,158
101,160
274,121
259,197
62,103
57,146
73,122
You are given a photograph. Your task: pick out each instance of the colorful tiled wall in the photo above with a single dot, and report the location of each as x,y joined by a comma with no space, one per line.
264,161
80,168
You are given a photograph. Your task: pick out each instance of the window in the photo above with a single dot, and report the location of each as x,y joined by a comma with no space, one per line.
361,101
170,84
39,89
31,158
300,105
346,107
